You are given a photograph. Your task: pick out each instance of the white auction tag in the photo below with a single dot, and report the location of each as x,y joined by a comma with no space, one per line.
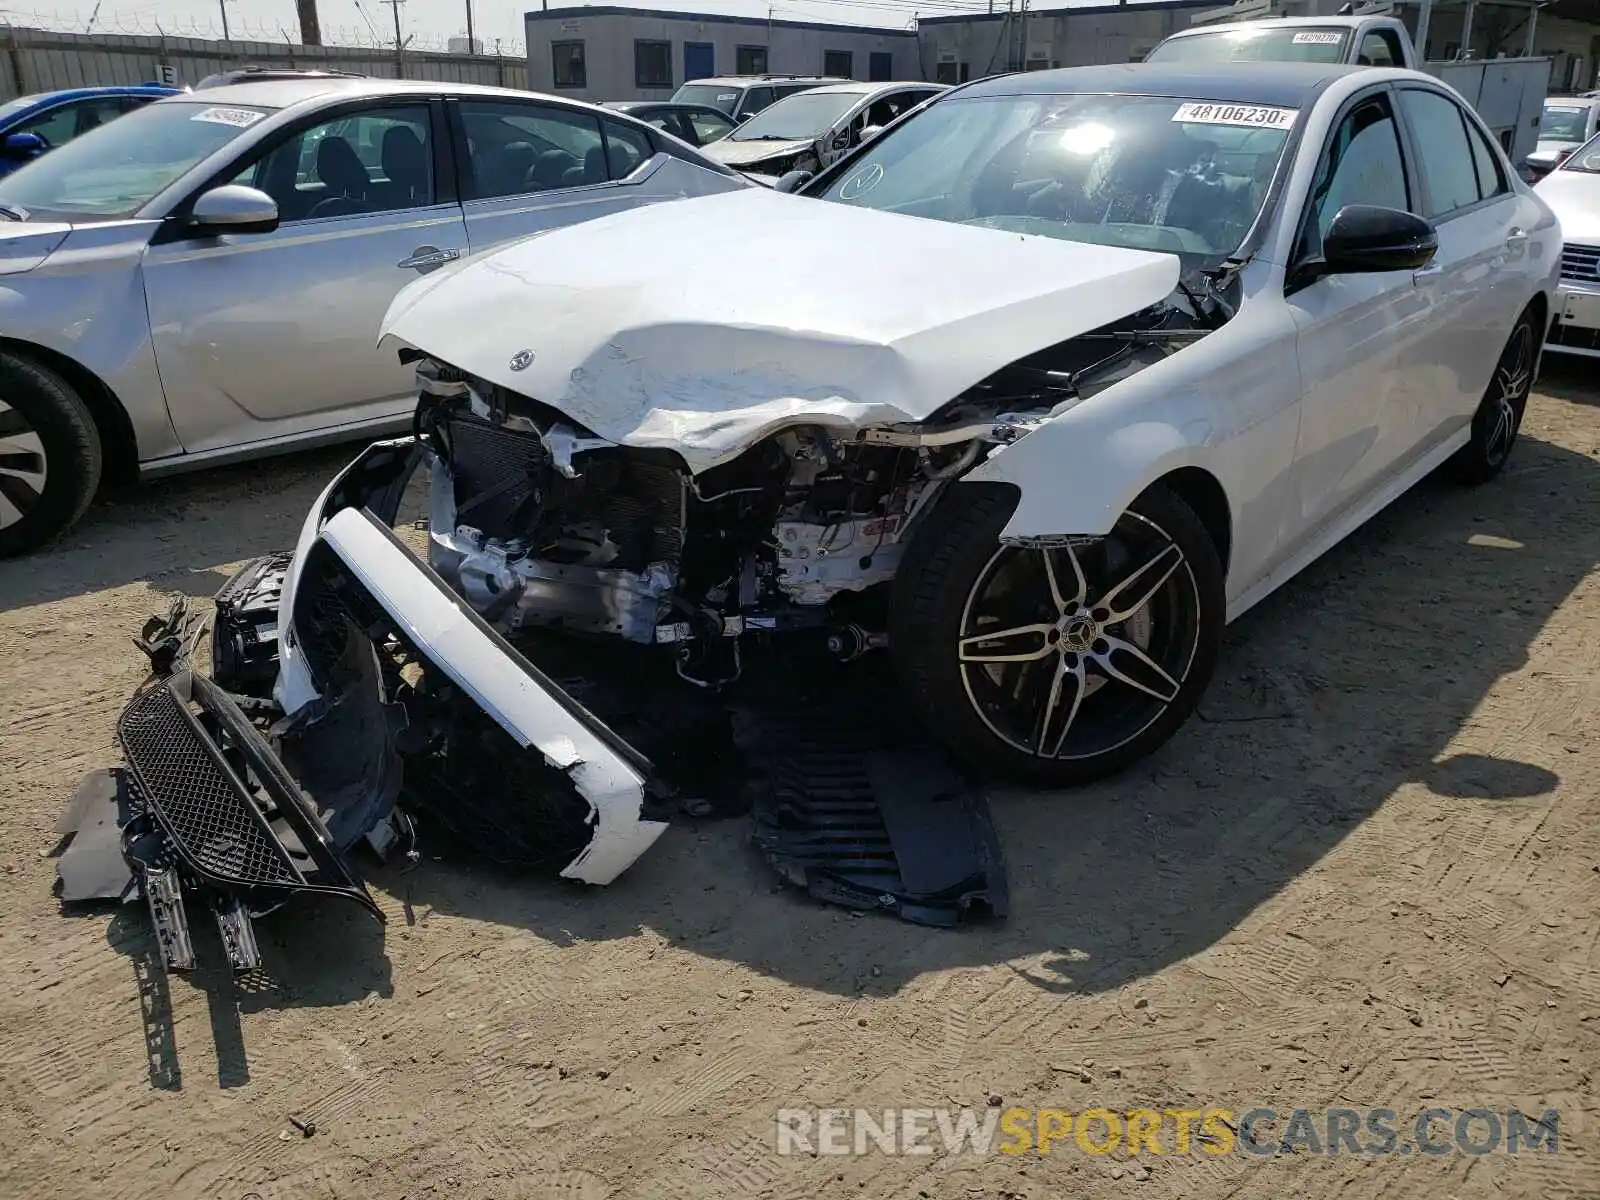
239,118
1317,37
1254,116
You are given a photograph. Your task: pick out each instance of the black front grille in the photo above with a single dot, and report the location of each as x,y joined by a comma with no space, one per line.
202,808
1581,263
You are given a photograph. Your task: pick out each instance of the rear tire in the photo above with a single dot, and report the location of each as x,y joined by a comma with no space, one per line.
50,456
1056,667
1499,417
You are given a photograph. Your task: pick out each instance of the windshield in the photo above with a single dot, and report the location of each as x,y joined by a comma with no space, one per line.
1149,173
798,118
1563,123
1585,159
12,107
114,171
1255,45
717,96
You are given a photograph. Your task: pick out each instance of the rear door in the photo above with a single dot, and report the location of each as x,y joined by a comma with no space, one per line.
271,334
1368,343
529,166
1466,194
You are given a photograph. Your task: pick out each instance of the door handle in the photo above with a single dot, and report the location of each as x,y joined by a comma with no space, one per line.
426,258
1431,271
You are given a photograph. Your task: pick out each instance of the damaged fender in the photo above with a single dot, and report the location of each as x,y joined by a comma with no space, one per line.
608,773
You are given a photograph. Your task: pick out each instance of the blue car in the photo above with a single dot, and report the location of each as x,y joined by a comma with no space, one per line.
32,125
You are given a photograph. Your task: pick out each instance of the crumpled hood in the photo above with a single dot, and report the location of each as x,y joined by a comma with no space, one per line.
26,244
701,325
737,154
1574,196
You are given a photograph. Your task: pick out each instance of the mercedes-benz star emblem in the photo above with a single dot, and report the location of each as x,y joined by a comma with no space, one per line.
521,360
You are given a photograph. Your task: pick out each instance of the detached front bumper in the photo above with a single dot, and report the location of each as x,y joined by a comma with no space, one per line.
350,572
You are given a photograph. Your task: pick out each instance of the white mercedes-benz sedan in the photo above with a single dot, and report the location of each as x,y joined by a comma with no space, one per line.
1119,351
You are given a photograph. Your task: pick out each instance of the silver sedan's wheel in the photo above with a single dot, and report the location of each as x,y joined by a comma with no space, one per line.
1057,665
50,455
23,466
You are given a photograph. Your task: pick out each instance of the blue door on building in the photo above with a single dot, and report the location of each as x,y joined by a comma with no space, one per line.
699,60
880,67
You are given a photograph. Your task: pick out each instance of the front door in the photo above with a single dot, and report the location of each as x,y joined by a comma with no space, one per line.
699,60
268,335
1367,343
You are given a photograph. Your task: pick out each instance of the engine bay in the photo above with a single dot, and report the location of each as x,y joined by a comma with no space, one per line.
540,524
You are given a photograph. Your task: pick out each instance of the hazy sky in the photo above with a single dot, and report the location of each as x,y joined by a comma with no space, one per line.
431,21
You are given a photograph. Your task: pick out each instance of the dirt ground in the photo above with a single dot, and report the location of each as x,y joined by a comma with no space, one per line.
1369,876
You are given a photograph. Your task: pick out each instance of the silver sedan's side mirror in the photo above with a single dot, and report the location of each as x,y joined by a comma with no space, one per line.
233,208
868,132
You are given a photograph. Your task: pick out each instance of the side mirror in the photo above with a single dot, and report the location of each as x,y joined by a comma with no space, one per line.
841,140
23,146
1366,238
870,131
743,117
233,209
792,181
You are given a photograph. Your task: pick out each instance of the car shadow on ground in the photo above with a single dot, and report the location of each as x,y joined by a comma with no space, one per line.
175,532
1344,686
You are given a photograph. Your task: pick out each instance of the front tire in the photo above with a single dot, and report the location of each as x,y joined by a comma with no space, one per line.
1499,417
1056,666
50,456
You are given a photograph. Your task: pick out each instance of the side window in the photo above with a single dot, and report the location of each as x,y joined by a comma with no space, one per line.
1491,179
1442,147
627,149
1361,165
515,149
356,164
890,108
709,127
756,99
68,121
1380,49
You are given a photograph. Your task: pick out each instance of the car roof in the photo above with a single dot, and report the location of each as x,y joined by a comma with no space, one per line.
281,93
116,89
865,89
762,80
1289,85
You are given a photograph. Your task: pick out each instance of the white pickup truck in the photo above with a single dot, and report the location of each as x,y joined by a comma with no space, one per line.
1508,93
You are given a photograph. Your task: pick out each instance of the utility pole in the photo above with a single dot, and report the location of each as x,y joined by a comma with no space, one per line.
310,27
472,42
222,6
394,7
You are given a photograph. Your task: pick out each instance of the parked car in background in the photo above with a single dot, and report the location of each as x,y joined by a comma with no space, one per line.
742,96
809,131
34,125
1116,352
203,282
1566,123
1572,190
697,124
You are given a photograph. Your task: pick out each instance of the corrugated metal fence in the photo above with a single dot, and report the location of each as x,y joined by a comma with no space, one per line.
37,60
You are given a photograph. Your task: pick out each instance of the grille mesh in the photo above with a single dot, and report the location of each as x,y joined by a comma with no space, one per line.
1580,263
497,474
199,805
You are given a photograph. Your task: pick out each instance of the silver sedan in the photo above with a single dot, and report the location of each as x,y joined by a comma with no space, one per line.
203,283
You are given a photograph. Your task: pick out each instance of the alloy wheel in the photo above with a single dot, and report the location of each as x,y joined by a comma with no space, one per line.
1071,651
23,468
1508,395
